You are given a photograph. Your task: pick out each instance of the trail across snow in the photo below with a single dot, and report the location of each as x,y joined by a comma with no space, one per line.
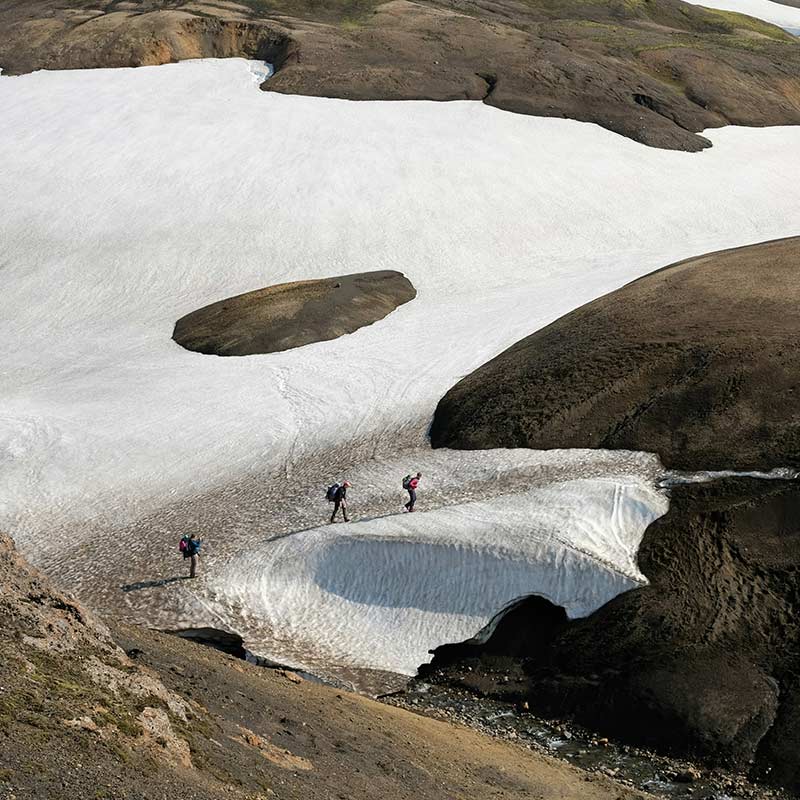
381,594
493,525
131,197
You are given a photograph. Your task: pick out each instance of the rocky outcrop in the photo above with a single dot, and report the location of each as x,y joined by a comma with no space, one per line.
697,362
702,662
68,687
658,73
68,36
292,314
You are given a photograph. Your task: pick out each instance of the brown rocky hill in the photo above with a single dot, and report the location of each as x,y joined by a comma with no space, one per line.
697,362
703,662
163,717
657,72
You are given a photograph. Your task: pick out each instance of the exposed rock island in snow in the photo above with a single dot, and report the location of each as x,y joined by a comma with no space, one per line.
292,314
131,198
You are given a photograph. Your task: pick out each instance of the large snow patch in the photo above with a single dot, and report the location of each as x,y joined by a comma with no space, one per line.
130,197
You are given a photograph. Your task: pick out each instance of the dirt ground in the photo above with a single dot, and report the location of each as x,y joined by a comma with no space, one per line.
129,714
655,72
697,362
292,314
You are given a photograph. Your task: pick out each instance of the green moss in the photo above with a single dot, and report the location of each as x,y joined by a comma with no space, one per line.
347,11
633,15
120,717
118,750
58,688
196,726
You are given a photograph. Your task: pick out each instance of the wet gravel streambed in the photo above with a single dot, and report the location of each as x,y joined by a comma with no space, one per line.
631,766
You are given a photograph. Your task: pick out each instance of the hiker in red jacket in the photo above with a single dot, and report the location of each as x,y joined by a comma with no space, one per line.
410,485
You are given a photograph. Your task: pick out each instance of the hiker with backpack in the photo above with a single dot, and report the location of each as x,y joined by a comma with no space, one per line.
410,483
190,547
337,494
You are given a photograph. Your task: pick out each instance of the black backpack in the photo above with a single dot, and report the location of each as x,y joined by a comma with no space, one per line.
406,481
330,494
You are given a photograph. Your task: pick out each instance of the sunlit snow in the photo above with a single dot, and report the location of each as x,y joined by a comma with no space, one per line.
131,197
395,587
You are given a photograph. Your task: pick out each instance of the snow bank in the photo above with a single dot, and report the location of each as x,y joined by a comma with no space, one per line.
379,594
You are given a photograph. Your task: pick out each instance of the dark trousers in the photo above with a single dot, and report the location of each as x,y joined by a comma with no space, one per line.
343,505
412,498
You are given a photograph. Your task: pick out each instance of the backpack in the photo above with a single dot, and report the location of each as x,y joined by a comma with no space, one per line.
183,545
406,481
330,494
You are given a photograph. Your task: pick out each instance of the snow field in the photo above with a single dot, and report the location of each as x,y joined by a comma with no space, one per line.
131,197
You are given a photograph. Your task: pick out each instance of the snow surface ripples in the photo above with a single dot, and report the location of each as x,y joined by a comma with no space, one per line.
130,197
379,593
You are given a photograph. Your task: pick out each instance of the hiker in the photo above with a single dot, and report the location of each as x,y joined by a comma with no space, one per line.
410,484
337,494
190,547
